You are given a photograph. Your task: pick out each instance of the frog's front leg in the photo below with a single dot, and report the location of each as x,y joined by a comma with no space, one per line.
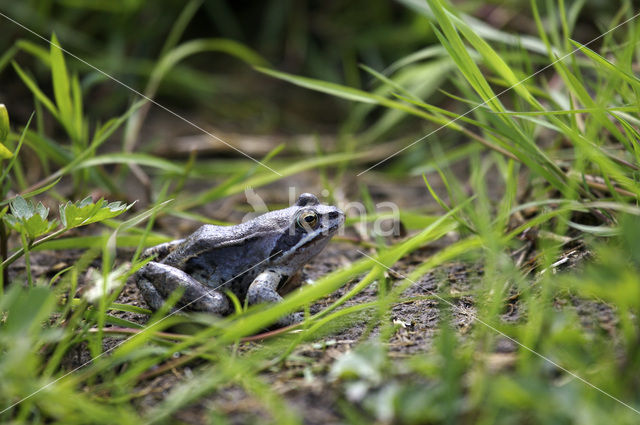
263,289
157,281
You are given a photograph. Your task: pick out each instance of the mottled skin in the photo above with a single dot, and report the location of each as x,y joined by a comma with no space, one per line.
253,259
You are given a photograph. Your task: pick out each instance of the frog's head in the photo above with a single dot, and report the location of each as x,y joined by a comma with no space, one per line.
308,226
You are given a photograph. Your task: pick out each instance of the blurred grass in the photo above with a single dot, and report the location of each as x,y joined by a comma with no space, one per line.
560,148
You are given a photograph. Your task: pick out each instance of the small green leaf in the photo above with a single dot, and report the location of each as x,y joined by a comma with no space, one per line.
84,212
86,201
31,220
37,226
7,168
21,209
4,132
4,123
4,152
42,210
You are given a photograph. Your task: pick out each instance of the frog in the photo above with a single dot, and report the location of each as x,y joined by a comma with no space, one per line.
253,260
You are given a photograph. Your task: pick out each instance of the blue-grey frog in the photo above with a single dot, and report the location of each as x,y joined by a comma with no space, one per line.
253,259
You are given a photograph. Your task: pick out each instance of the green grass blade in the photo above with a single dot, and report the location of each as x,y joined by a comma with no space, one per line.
177,30
608,66
35,50
494,60
131,158
36,91
332,89
62,88
456,48
350,93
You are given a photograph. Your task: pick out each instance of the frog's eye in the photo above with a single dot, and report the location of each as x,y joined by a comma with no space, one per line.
307,219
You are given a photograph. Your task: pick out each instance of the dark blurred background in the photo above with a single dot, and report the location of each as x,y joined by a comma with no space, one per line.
326,40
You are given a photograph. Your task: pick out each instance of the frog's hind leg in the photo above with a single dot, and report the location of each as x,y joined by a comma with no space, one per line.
149,293
162,250
158,281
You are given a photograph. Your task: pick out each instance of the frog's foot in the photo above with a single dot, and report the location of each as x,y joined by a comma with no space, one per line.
161,251
290,319
157,281
264,288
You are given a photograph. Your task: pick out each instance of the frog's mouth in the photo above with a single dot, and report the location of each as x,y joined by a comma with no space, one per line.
310,239
334,227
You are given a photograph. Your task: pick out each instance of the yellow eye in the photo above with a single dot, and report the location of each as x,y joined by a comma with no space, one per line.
307,219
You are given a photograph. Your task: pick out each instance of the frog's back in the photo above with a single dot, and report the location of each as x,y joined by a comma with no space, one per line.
220,255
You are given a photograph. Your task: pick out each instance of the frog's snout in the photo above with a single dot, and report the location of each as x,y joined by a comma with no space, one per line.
337,214
336,219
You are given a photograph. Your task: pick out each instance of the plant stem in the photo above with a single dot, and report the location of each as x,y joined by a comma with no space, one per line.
4,272
21,251
27,257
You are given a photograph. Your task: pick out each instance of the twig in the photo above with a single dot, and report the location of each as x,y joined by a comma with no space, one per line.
133,331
